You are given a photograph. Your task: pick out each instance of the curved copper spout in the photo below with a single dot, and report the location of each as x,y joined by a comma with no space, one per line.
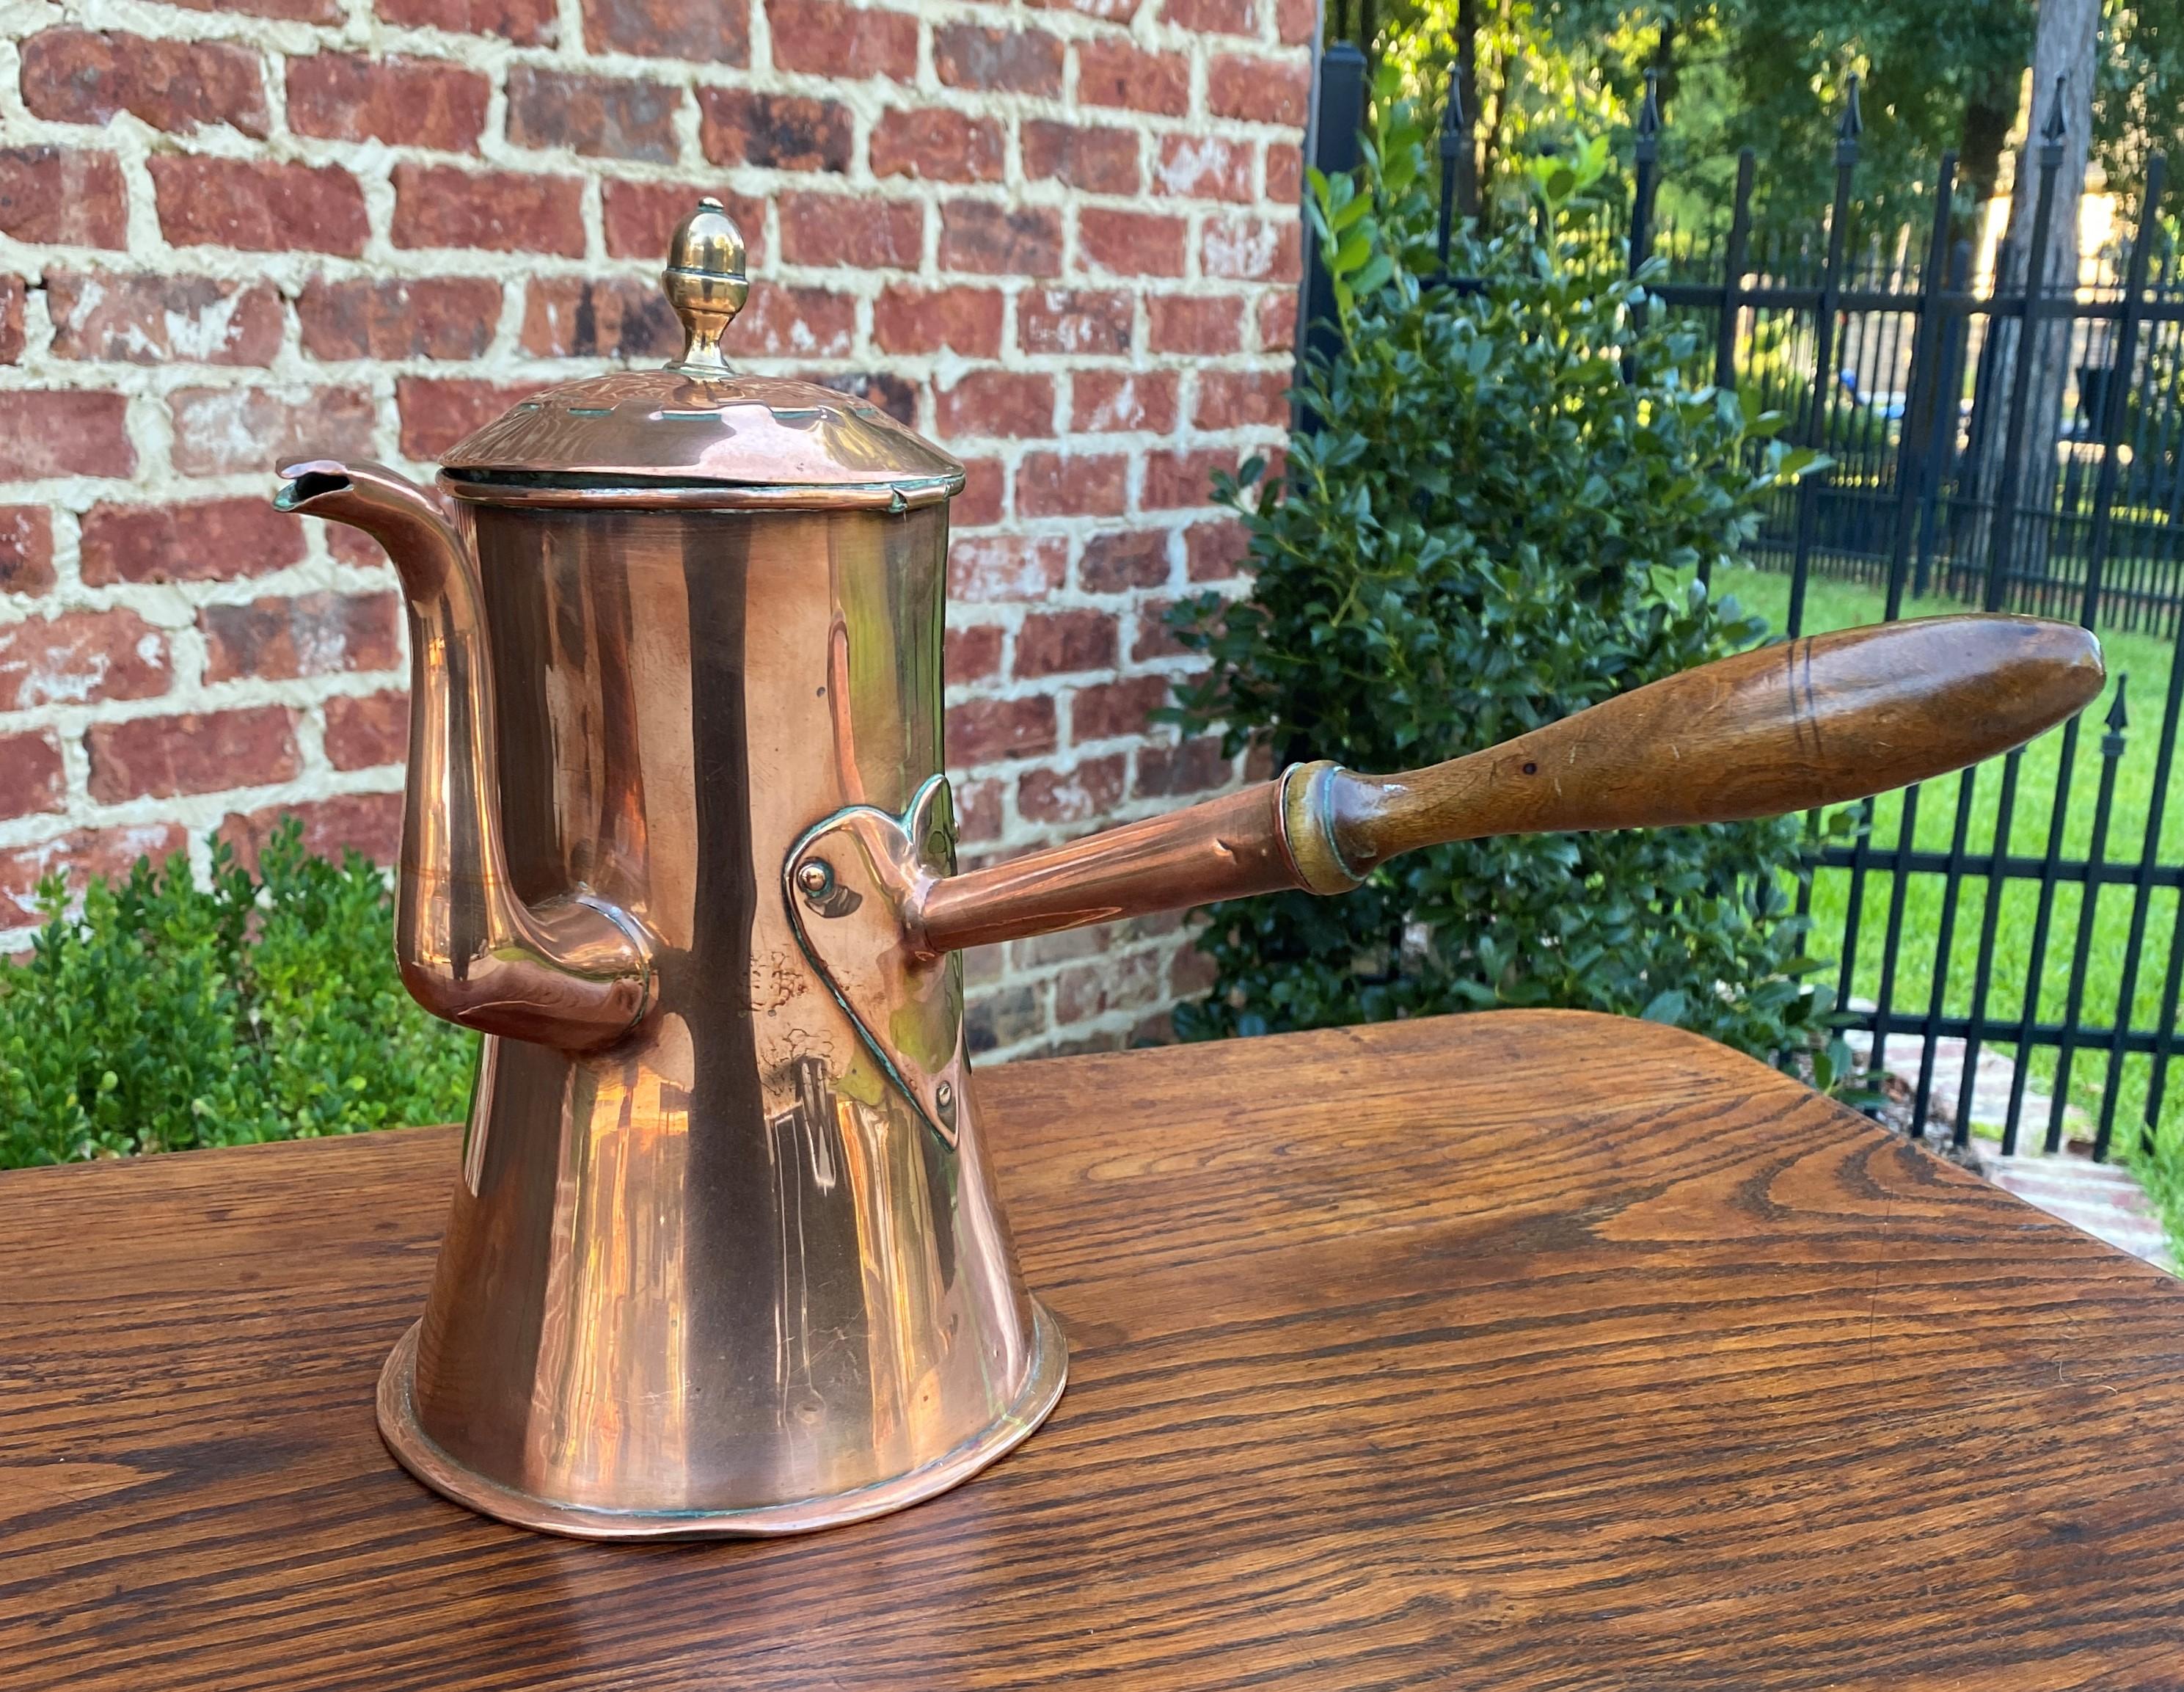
575,972
1814,721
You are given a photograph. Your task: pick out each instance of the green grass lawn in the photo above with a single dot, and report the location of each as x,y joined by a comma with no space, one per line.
2140,663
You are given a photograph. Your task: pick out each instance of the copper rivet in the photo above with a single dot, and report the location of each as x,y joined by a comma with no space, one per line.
816,877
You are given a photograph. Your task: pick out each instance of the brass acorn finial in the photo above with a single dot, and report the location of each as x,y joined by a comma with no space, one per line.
705,282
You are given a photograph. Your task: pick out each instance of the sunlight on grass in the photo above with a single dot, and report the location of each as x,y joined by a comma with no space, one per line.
2083,959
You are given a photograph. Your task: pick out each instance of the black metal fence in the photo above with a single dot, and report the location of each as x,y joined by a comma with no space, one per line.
2039,909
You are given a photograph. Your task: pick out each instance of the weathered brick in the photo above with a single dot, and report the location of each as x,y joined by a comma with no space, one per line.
298,11
780,132
13,333
623,317
437,411
366,731
1197,765
1250,250
1190,974
1129,558
503,211
67,196
1087,789
1175,479
1258,89
907,318
895,395
1000,60
1242,399
640,218
990,730
1097,158
1154,639
371,823
1212,17
795,322
79,856
1104,401
158,320
225,431
285,636
86,76
72,432
204,540
1195,323
1284,173
1278,322
1215,551
827,39
1123,981
714,31
1001,240
977,818
973,653
27,549
1112,711
1064,642
1076,320
604,117
1203,167
1130,243
938,144
391,317
32,778
79,656
160,757
1296,21
1115,73
404,101
1005,403
259,205
528,22
854,230
1003,1018
985,481
1050,484
1004,567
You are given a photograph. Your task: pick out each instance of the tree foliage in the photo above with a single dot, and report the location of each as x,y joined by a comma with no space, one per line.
1492,527
165,1016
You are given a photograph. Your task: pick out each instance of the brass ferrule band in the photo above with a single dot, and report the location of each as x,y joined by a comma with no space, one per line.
1308,828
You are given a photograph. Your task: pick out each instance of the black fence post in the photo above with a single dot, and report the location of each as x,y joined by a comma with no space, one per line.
1455,136
1338,117
1824,348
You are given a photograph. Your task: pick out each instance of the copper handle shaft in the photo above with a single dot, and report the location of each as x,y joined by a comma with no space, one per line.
1812,721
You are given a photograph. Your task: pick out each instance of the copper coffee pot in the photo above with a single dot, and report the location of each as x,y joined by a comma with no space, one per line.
725,1257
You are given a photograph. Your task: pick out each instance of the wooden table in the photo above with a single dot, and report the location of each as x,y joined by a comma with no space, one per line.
1503,1352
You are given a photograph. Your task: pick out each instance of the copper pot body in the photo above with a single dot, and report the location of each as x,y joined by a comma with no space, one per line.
720,1275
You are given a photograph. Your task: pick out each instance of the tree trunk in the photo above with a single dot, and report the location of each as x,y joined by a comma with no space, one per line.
1466,88
2062,66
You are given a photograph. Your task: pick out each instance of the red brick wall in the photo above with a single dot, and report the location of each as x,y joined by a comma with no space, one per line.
1061,239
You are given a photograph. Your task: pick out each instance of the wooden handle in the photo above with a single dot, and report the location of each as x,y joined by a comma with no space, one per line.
1782,728
1812,722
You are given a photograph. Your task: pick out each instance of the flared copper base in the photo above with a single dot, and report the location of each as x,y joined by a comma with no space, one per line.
415,1451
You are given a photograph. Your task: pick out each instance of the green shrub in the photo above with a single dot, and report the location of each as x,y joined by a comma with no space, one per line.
166,1016
1494,526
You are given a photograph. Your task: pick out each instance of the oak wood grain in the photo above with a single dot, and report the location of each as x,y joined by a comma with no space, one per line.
1522,1351
1812,722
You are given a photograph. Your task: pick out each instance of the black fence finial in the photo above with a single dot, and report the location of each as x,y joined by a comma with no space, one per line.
1649,116
2057,126
2118,719
1451,113
1853,121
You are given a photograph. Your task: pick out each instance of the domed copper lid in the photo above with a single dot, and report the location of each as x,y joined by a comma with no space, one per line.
694,432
